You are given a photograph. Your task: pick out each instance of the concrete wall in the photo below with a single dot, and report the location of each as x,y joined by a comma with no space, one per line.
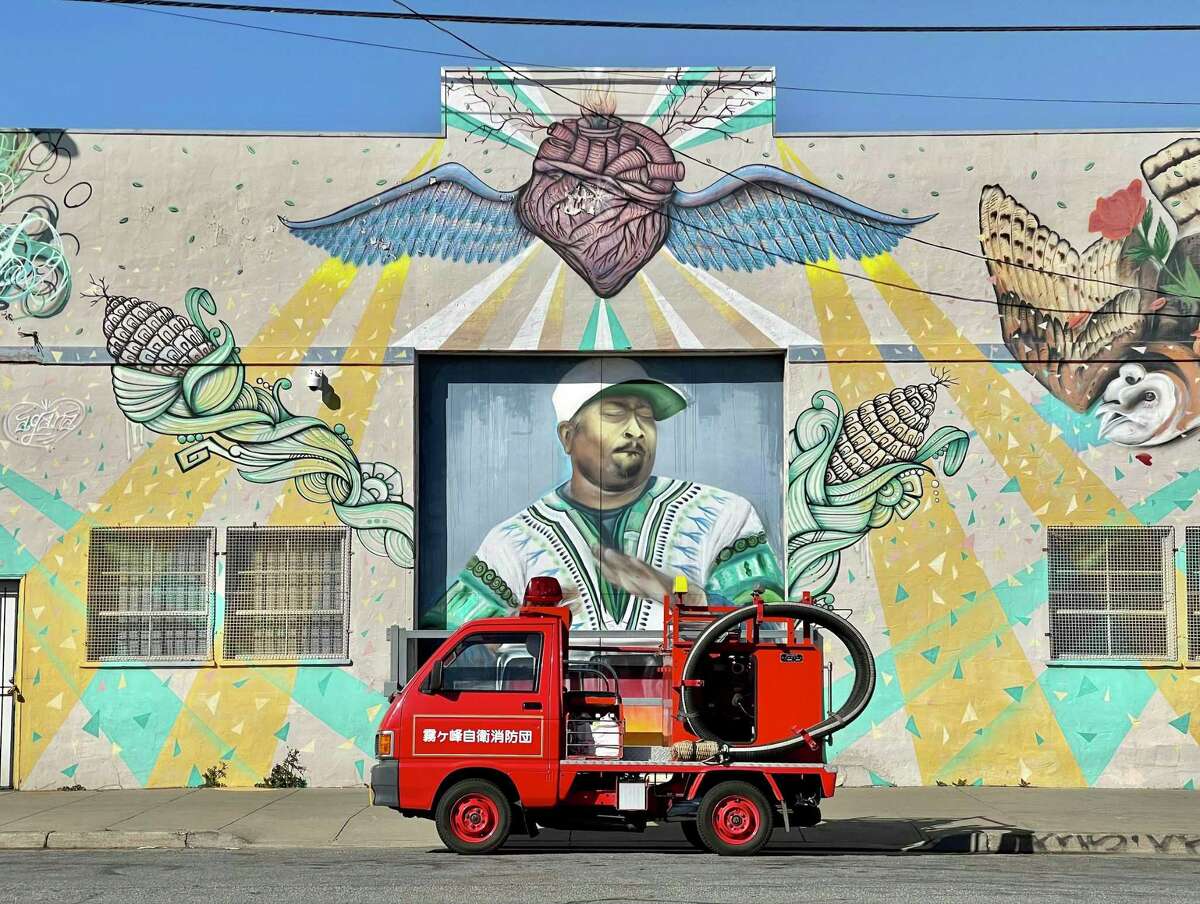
949,586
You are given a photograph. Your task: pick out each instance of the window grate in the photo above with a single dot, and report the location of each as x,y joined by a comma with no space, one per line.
287,593
1192,542
150,593
1112,592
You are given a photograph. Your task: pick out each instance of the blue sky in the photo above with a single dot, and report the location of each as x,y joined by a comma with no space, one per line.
83,66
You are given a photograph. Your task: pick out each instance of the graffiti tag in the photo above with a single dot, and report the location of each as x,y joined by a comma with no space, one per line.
42,424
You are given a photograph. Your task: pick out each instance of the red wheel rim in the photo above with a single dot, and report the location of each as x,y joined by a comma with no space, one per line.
474,817
736,819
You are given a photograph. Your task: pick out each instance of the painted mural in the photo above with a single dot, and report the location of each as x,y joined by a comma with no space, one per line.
182,377
1116,326
1079,406
604,195
852,473
616,532
35,192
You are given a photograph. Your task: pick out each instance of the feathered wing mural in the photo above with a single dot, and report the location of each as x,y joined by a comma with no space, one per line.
603,194
1114,326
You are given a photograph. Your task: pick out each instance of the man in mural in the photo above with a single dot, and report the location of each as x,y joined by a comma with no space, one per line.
615,534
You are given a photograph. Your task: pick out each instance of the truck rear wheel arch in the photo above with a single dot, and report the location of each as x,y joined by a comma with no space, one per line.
757,779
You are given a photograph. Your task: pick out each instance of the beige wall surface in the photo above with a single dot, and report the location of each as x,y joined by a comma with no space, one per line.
1024,359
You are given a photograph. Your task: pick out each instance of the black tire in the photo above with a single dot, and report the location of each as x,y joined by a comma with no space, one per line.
692,833
473,817
735,819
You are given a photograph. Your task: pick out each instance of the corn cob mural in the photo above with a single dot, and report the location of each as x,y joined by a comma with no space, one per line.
180,377
850,473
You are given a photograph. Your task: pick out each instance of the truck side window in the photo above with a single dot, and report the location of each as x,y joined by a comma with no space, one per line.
494,661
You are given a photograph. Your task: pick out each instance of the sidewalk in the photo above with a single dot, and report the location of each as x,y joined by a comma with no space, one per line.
954,819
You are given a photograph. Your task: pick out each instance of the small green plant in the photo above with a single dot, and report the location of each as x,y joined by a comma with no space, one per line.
941,784
1025,784
214,776
960,783
288,774
75,787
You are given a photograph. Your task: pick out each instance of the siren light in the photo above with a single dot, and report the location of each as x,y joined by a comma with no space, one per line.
543,591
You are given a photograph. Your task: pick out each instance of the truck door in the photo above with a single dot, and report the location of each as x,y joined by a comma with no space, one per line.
497,705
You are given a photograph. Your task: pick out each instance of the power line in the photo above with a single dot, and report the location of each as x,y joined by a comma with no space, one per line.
750,245
792,27
148,6
483,56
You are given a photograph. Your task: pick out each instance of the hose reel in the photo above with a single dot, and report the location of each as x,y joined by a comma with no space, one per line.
856,702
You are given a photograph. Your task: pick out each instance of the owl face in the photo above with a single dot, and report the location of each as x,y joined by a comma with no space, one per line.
1140,408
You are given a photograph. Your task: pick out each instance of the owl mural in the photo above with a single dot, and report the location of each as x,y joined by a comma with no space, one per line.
604,195
1113,329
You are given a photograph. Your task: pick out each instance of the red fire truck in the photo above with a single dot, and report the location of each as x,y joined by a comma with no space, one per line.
720,725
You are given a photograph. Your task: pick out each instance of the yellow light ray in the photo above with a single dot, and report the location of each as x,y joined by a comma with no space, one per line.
122,504
471,332
551,338
262,701
751,335
663,337
912,553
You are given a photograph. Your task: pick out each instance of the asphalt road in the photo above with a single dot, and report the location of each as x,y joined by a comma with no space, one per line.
604,877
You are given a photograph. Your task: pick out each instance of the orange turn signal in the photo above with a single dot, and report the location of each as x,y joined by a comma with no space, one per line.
384,744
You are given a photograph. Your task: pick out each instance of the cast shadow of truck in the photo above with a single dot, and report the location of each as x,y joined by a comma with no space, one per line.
863,835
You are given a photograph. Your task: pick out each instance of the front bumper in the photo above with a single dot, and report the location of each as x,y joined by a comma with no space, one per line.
385,784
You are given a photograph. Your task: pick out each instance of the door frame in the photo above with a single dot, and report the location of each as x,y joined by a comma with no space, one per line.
8,745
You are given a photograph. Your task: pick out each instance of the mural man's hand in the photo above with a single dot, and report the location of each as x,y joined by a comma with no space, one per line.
637,577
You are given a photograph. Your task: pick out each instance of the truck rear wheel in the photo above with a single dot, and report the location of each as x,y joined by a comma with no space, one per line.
734,819
473,817
692,833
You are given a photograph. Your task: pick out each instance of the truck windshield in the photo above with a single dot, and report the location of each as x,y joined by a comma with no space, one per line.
494,661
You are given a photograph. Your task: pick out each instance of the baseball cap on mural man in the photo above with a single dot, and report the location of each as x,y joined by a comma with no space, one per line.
599,377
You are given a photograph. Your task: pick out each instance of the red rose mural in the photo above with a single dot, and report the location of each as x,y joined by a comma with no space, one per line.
1116,215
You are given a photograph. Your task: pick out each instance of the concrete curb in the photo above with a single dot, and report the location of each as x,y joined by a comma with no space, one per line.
119,841
972,841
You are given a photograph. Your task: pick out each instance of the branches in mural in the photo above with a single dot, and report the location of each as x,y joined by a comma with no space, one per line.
849,474
720,95
35,277
1130,352
490,98
181,377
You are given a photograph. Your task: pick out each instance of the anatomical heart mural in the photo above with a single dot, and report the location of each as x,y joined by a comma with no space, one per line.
604,194
1115,328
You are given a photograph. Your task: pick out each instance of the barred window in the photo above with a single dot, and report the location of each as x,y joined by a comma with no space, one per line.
1112,592
150,593
1192,541
287,593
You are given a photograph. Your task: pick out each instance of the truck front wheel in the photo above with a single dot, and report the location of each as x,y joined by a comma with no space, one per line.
473,817
734,819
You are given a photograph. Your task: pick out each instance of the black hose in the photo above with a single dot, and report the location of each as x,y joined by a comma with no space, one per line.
860,692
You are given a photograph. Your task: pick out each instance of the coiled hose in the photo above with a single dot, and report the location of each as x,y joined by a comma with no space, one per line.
860,692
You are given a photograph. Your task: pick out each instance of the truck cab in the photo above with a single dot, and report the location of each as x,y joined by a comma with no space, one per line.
487,704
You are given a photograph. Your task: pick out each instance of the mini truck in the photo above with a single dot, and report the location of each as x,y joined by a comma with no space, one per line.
720,726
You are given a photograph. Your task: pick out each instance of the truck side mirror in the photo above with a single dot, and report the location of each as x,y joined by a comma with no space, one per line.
436,677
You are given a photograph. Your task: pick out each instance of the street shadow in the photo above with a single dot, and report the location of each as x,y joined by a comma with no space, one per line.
867,835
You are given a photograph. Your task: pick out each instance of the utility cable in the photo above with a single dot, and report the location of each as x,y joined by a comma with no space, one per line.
779,253
525,76
786,27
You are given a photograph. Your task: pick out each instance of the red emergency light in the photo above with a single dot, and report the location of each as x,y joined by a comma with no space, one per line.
543,591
